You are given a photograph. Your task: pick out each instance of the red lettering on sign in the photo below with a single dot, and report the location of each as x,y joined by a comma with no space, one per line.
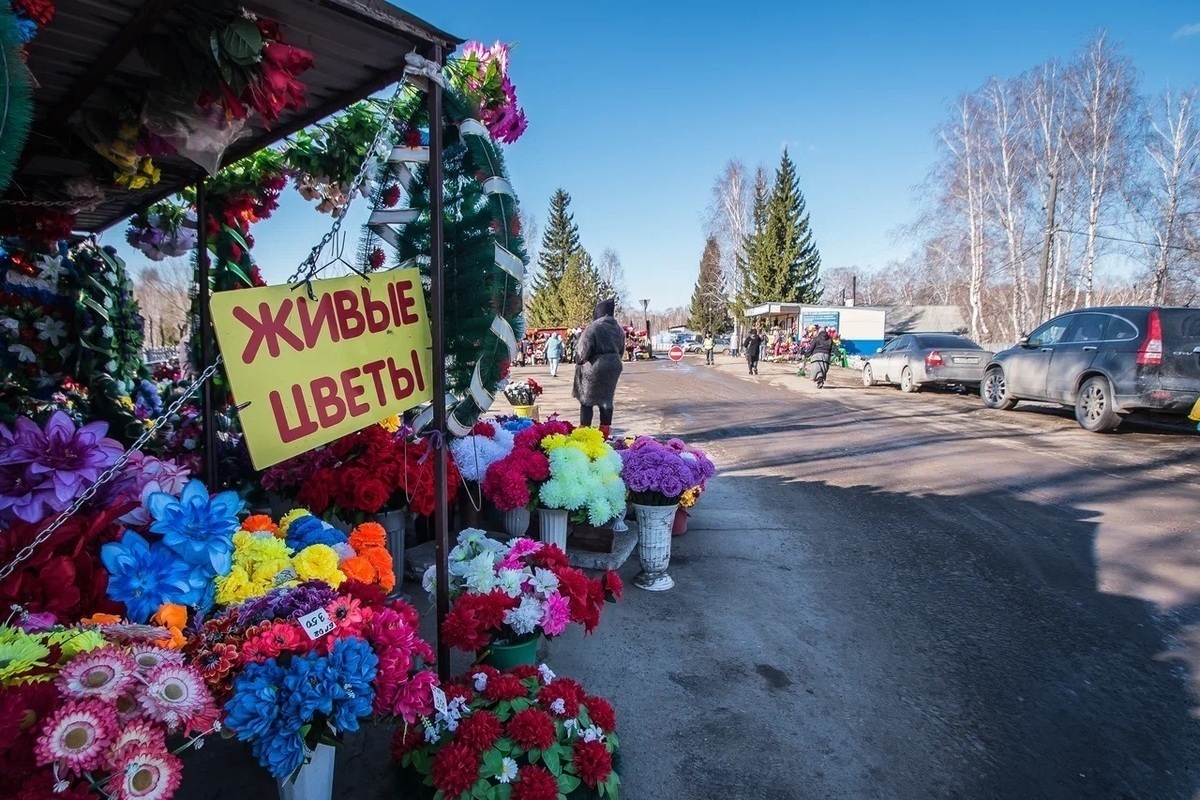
402,380
330,408
305,426
375,370
416,359
350,319
353,391
379,317
311,323
401,302
267,328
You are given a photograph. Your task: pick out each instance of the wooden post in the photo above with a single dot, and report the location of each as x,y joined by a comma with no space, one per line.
437,291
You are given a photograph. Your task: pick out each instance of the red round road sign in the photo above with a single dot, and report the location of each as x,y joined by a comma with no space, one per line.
675,354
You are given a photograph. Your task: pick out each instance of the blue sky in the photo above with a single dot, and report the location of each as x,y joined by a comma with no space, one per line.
634,108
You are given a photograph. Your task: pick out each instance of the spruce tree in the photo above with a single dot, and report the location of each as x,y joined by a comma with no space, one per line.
793,274
755,264
709,312
560,242
579,290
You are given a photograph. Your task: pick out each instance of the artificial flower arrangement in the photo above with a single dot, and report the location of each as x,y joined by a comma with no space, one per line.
508,593
658,473
585,476
524,392
165,230
513,481
300,665
364,473
474,454
88,710
520,734
326,159
481,74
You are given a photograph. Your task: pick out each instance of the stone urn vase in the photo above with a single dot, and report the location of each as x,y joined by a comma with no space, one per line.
654,546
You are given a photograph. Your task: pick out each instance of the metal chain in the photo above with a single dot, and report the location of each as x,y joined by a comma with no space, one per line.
308,268
77,205
25,552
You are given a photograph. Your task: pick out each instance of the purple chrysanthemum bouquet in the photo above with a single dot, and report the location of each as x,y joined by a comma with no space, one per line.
657,473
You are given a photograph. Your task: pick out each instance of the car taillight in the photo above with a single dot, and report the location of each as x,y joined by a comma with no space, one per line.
934,359
1151,351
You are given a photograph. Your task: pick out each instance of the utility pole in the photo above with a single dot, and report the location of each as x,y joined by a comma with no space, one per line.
1046,247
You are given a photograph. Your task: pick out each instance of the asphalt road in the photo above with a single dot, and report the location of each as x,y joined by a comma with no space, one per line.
893,596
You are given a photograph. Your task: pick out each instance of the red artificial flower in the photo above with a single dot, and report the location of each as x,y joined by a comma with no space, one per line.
40,11
455,769
413,138
463,631
406,739
314,495
479,731
490,608
369,594
484,429
614,588
532,728
285,57
561,689
504,687
390,195
524,671
274,640
458,689
601,713
593,762
376,258
553,558
534,782
370,495
407,612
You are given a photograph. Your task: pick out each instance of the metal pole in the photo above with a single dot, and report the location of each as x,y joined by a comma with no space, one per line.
437,258
203,292
1046,247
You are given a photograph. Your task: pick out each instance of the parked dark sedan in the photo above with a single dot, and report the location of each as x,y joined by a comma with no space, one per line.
915,359
1105,362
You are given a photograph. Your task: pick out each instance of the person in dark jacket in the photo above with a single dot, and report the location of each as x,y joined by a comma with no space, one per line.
822,348
752,346
598,360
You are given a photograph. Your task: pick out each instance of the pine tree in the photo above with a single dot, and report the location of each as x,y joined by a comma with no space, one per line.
795,262
560,242
709,311
756,265
579,290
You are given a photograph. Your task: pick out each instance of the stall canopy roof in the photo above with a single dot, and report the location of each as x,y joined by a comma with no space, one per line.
358,45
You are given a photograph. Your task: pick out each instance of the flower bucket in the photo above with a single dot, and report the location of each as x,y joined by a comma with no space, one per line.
516,522
553,524
679,525
315,779
529,412
507,656
393,523
654,546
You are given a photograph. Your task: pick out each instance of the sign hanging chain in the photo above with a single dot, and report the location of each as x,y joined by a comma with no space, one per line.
28,550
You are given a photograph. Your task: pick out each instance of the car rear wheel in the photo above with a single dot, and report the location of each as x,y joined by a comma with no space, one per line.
868,377
994,390
907,382
1094,406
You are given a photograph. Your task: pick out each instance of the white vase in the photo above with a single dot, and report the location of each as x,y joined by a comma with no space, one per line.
393,523
516,522
315,779
654,546
553,524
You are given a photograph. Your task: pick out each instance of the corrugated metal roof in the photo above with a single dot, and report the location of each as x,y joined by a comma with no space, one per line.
89,50
924,319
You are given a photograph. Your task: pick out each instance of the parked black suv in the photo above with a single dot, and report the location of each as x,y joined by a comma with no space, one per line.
1104,361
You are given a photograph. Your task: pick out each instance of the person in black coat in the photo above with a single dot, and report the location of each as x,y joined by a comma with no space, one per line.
598,356
752,346
822,349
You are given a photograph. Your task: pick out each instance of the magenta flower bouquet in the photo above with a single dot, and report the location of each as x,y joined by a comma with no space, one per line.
658,473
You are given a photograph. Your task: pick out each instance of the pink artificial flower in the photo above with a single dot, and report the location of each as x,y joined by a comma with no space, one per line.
415,698
556,614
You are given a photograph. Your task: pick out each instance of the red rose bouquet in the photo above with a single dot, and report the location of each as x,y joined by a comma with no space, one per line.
522,734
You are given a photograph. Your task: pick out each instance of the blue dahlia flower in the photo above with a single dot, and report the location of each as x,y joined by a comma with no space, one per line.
312,530
282,752
310,686
353,663
143,576
256,705
197,527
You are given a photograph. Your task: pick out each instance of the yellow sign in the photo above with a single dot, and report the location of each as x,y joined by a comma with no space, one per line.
1195,415
309,371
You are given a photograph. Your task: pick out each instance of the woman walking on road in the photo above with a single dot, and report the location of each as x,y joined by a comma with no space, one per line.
822,348
554,350
709,345
752,345
598,360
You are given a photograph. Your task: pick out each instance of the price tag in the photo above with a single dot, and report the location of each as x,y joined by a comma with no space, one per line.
439,700
316,623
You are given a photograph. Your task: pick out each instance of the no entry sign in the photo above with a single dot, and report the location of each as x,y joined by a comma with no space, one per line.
675,354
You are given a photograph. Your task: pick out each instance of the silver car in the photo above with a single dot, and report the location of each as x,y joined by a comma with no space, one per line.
916,359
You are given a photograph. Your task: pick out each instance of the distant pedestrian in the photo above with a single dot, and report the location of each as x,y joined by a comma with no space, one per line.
709,347
753,346
554,351
822,348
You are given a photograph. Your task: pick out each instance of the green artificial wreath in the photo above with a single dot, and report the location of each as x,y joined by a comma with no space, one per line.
484,253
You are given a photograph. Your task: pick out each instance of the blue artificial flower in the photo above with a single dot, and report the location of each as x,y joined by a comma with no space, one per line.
354,664
310,530
256,707
144,576
26,28
197,527
310,687
281,753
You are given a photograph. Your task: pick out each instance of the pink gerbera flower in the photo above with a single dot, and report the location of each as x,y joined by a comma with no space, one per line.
148,657
105,673
146,773
77,735
346,613
139,733
175,695
556,614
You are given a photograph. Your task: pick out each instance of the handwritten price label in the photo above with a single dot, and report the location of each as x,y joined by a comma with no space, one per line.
316,623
